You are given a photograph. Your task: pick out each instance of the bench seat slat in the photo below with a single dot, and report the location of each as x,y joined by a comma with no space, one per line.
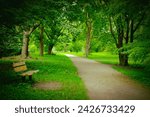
20,68
18,64
29,73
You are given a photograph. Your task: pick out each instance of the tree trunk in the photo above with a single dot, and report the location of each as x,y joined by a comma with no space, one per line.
50,48
41,41
88,36
123,59
25,53
112,32
127,30
131,32
26,35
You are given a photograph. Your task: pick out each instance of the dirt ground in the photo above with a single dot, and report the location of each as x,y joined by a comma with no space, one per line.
48,85
105,83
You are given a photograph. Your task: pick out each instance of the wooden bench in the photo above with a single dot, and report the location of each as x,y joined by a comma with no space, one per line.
21,68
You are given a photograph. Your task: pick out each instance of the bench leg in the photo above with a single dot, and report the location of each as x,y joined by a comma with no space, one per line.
30,78
23,78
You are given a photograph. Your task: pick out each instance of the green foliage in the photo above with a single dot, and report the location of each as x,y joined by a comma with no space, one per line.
25,14
103,43
64,22
139,75
56,68
76,46
53,31
140,50
10,43
102,38
147,63
138,53
72,38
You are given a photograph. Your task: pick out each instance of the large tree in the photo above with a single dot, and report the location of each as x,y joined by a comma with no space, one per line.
82,11
38,12
124,22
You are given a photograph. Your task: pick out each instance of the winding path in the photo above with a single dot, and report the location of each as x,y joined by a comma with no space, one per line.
103,82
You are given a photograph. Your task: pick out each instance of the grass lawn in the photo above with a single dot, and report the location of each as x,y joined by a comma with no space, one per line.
103,57
57,68
135,72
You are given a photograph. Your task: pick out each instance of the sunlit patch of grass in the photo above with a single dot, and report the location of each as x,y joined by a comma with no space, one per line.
104,57
51,68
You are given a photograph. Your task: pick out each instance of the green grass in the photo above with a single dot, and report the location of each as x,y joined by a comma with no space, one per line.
104,57
51,68
134,71
139,74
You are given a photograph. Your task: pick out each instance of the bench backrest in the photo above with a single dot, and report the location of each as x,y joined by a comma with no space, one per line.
19,66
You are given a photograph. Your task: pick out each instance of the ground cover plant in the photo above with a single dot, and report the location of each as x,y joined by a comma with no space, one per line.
54,68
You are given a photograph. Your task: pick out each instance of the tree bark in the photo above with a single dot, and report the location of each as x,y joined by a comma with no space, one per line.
131,31
50,48
123,59
127,30
131,27
25,52
25,46
41,41
111,30
88,36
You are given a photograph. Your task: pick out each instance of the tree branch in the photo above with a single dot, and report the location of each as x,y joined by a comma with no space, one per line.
111,30
49,37
33,28
127,30
138,24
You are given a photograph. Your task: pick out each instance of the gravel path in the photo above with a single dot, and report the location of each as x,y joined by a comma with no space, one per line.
103,82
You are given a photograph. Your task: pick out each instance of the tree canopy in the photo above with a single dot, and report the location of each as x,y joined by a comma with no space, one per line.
118,26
